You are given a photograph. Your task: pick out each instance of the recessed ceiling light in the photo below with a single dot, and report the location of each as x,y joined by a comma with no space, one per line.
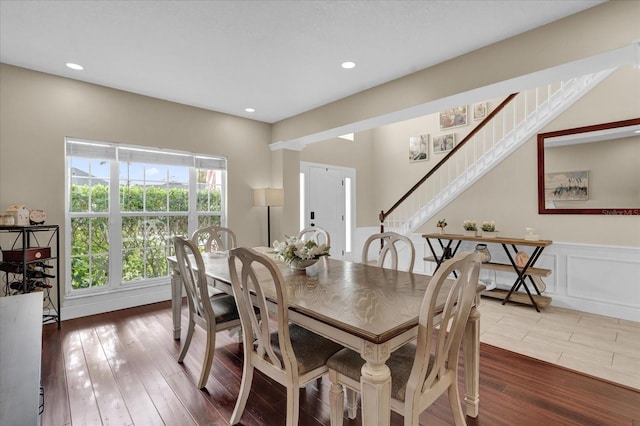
250,110
348,65
74,66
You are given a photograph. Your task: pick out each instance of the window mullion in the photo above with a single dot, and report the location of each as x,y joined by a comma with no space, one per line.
192,220
115,227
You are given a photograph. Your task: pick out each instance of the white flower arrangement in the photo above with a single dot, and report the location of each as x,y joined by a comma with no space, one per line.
489,226
293,250
469,225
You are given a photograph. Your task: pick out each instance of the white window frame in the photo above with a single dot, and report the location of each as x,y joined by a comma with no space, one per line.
115,153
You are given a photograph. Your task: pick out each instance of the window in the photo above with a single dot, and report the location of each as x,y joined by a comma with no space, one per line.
124,206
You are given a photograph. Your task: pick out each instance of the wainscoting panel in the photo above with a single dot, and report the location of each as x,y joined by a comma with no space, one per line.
603,280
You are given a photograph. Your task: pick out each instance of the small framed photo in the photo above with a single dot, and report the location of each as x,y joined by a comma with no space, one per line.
444,143
454,117
479,111
418,148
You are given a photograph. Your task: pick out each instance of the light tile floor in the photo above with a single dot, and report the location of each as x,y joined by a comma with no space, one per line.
600,346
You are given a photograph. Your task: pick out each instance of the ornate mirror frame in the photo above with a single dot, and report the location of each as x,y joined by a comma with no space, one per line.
596,133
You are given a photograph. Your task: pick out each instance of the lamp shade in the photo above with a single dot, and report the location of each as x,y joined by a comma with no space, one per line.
268,197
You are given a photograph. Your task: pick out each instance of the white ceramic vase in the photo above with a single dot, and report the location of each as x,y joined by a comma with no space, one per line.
301,265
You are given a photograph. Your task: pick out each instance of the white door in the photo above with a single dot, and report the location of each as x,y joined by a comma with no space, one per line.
328,200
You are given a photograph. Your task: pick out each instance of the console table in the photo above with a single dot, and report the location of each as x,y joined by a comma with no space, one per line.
449,244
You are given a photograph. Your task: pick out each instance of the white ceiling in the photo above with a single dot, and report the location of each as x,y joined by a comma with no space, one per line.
279,57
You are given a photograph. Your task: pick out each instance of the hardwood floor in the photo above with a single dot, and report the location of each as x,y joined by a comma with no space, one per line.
120,368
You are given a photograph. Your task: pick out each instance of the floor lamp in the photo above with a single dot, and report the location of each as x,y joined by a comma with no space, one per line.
270,197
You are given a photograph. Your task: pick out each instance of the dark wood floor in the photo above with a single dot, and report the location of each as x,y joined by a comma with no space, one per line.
120,368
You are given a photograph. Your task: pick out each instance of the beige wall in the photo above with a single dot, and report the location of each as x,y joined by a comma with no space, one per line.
38,110
606,27
508,193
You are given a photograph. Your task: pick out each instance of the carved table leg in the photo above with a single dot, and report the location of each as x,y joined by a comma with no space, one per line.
472,363
375,384
176,303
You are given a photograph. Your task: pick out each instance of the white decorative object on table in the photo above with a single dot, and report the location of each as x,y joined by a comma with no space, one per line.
470,228
442,223
489,229
20,214
301,265
530,235
299,254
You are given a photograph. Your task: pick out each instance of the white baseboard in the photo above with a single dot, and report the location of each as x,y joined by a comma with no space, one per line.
76,307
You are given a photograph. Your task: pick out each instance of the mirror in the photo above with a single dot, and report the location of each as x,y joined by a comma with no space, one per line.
590,170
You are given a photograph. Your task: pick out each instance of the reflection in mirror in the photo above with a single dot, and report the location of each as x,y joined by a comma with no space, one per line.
590,170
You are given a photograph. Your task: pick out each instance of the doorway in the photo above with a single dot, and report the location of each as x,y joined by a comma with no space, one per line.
327,200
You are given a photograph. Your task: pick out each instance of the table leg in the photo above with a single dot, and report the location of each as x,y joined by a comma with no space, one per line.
472,364
176,303
522,273
375,384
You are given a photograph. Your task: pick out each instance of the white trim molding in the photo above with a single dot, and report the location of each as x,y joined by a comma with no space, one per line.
98,303
598,279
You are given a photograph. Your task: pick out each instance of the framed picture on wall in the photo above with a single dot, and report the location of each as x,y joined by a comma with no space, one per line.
567,186
444,143
418,148
454,117
479,111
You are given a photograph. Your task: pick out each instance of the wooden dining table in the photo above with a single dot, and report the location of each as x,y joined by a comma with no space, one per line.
369,309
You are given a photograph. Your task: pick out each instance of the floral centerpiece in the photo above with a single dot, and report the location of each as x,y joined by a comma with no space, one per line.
470,227
489,229
442,223
298,253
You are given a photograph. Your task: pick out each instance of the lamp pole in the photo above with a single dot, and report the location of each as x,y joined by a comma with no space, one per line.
268,226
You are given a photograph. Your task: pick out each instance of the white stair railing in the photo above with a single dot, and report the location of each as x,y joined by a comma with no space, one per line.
516,123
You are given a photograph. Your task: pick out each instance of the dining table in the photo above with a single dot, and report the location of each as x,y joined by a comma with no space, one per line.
369,309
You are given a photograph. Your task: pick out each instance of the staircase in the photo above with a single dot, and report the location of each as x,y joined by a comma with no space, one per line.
514,122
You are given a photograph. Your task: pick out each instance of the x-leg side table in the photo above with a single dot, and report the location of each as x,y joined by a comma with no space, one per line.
450,243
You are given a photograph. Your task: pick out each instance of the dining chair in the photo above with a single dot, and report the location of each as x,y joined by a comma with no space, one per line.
317,234
213,314
420,371
287,353
392,243
214,238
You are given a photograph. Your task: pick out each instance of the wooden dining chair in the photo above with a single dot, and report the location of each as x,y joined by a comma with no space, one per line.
317,234
392,243
420,371
214,238
287,353
213,314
